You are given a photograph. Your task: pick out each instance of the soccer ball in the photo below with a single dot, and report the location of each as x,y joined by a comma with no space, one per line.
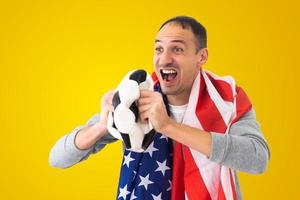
124,122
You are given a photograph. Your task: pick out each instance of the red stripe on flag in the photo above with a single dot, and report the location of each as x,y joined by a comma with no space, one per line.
243,103
232,186
207,112
194,184
223,88
154,78
221,194
177,192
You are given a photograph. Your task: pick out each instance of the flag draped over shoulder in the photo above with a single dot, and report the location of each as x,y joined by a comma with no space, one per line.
179,172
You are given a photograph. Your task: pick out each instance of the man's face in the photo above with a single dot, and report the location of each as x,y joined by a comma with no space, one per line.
176,61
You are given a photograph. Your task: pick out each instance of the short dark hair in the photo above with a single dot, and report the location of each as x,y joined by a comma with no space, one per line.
197,28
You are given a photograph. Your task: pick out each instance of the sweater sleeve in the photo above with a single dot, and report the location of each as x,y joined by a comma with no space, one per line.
64,153
244,148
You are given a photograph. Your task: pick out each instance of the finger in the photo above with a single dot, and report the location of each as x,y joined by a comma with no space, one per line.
144,100
111,93
109,98
110,108
146,93
107,107
107,102
144,108
108,94
144,116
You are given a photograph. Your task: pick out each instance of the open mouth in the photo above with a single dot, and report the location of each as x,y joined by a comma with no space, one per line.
168,74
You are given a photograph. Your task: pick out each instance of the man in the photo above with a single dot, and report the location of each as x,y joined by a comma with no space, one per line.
211,124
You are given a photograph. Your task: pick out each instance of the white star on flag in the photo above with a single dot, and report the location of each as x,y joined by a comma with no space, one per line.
170,187
127,159
162,167
123,192
158,197
151,149
132,197
163,137
134,172
145,181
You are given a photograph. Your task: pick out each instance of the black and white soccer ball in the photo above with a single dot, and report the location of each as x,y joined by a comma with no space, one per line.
124,122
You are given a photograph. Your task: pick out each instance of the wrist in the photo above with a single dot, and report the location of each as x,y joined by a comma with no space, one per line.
99,128
165,129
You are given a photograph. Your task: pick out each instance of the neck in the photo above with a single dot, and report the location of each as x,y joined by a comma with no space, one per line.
180,99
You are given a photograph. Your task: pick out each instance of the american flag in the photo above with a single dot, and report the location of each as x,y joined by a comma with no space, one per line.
147,175
214,104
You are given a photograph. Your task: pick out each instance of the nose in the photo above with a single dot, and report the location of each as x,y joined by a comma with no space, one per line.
165,59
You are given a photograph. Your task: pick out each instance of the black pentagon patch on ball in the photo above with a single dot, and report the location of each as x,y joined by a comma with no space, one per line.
116,100
113,125
148,139
135,111
139,76
126,140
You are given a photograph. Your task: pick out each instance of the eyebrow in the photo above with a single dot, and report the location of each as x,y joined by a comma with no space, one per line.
180,41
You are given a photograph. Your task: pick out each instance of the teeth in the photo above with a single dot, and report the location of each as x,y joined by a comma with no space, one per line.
169,71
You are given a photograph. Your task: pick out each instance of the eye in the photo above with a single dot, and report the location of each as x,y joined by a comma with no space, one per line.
158,50
178,50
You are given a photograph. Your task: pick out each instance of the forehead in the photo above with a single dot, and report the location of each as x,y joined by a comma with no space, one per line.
173,33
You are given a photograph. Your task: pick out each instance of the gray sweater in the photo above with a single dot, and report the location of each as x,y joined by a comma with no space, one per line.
244,148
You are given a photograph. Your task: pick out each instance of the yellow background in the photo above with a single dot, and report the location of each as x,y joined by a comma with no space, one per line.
57,58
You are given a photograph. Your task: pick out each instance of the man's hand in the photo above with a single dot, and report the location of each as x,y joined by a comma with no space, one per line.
89,135
106,107
151,107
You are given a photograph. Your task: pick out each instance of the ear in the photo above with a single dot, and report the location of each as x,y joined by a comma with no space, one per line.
202,56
